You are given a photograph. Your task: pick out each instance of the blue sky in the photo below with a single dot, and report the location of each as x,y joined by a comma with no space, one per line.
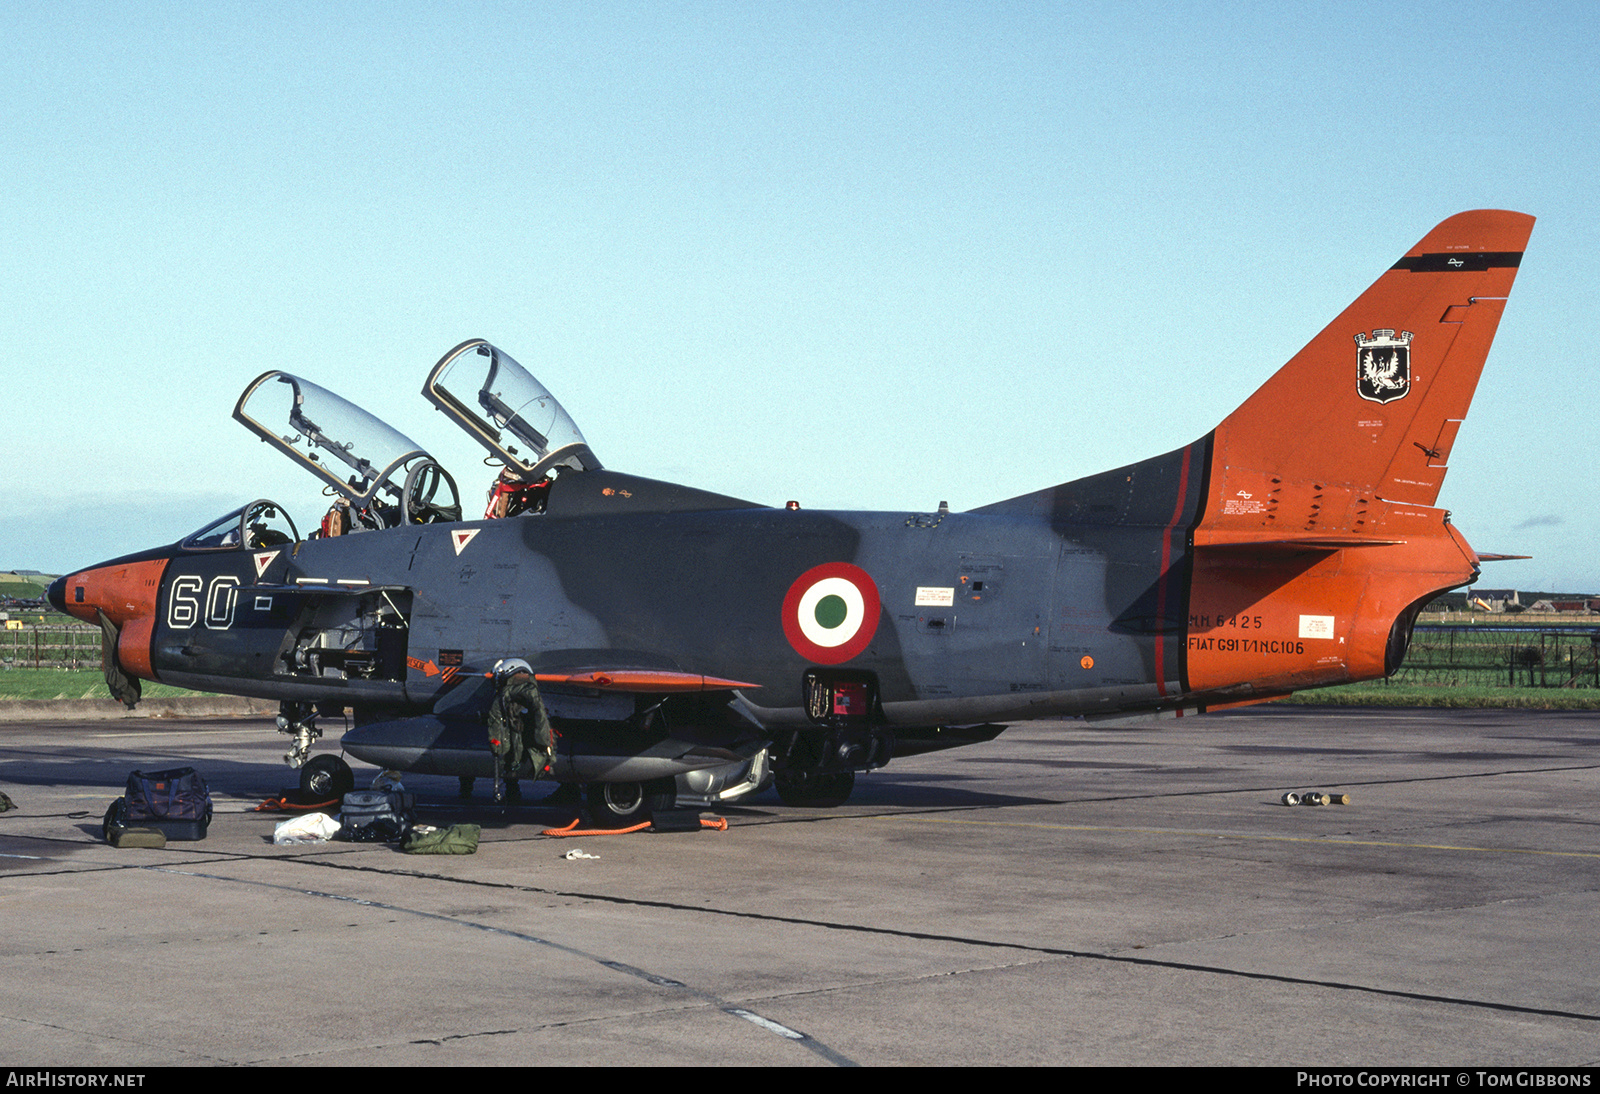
860,255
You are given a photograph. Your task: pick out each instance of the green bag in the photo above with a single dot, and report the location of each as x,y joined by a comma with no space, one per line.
458,839
118,833
137,837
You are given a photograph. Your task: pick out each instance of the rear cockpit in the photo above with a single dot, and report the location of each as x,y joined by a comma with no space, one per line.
503,408
546,465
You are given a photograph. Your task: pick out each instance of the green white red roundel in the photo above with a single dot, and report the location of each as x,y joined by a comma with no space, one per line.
831,613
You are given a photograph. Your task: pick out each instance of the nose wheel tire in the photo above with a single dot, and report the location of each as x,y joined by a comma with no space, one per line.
326,777
622,805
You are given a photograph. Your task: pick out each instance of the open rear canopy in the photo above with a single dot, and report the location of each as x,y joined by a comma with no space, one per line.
503,408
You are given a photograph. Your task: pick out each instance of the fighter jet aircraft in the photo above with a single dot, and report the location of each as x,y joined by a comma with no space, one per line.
674,631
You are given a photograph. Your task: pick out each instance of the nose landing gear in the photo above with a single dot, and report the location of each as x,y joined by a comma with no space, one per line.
322,778
326,778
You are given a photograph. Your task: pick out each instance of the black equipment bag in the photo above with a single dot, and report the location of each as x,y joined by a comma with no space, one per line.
375,816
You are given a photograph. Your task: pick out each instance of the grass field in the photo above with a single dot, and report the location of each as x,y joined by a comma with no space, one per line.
25,683
1539,663
1390,693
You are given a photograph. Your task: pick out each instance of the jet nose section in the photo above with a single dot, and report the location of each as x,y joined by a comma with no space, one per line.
70,594
120,597
57,594
124,590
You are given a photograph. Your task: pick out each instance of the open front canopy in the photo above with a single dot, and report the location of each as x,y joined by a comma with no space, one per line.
335,440
503,408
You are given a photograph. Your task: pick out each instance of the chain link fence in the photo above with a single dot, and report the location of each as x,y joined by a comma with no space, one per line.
1557,655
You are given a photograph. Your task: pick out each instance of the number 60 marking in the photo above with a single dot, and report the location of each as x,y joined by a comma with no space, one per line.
183,607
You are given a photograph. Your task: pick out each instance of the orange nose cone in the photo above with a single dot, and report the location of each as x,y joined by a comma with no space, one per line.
123,590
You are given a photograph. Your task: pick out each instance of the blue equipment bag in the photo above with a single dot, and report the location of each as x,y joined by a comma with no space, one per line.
174,802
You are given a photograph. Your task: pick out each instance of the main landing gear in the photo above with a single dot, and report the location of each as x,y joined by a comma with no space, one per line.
815,767
814,789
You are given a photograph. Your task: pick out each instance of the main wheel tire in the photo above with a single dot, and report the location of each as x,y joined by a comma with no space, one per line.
326,777
622,805
811,790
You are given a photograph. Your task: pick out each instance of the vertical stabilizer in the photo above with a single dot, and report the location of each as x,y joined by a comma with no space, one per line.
1371,406
1319,541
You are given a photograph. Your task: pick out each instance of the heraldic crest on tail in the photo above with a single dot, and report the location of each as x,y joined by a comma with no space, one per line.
1383,365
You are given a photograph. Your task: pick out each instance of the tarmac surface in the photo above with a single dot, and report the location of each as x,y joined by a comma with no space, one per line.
1063,895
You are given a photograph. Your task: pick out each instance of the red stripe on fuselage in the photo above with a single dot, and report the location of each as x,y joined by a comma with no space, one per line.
1166,561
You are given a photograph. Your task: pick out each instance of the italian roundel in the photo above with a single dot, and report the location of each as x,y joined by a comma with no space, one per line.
831,613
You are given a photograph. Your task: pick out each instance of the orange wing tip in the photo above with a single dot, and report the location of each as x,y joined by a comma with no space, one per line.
642,680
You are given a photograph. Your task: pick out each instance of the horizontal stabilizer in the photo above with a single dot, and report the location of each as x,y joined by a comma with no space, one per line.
1293,546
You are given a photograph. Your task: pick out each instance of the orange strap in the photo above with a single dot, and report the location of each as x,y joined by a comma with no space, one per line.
284,805
715,824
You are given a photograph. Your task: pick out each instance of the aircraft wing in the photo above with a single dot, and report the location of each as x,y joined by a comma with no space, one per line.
652,681
642,679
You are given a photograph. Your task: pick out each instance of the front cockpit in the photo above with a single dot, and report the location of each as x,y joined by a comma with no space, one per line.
258,525
379,477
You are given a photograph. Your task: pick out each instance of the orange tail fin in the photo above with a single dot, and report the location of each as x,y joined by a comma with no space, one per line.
1319,542
1372,404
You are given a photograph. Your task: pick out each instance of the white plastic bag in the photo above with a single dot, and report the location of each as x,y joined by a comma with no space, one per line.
308,828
